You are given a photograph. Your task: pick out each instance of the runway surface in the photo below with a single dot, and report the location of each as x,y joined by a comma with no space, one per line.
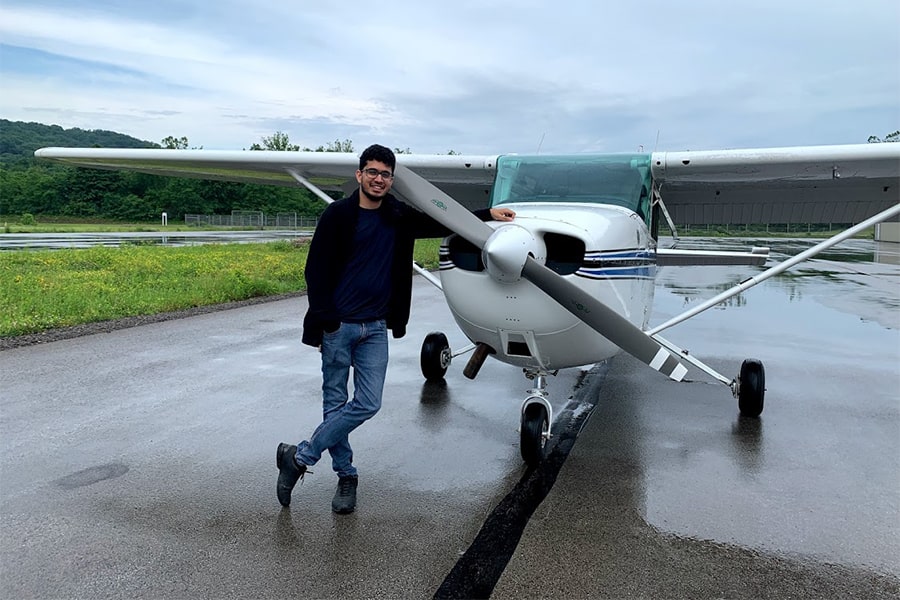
140,462
56,241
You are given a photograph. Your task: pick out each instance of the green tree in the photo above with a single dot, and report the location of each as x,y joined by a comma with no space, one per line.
35,189
178,196
131,208
336,146
88,191
172,143
891,137
277,141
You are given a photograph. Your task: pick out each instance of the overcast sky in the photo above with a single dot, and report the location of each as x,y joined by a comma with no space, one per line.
484,77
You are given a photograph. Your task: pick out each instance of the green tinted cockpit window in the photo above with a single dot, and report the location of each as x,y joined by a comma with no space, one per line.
618,179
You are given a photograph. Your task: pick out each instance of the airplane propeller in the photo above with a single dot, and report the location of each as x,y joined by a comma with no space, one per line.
607,322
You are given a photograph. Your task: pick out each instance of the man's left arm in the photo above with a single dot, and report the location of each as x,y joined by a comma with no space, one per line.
426,227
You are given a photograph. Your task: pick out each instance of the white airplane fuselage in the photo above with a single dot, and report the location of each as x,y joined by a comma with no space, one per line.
605,250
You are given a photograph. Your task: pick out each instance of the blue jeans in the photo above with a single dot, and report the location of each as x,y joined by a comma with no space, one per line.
364,346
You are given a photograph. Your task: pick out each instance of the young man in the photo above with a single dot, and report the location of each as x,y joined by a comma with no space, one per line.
359,285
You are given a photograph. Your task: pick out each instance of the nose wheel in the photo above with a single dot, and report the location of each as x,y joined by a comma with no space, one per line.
534,431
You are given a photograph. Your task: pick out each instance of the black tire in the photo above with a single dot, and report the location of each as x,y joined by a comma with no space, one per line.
752,391
435,356
535,422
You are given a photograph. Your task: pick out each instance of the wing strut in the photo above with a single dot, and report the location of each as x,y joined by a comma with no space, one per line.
328,200
308,185
780,267
657,199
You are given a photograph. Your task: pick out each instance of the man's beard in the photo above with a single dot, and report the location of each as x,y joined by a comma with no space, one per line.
371,197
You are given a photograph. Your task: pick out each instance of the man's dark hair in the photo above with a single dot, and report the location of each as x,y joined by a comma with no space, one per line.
379,153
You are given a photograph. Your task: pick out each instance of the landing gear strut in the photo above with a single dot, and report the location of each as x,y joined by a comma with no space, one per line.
749,387
537,413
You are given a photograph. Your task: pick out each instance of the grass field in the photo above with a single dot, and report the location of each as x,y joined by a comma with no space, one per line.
45,289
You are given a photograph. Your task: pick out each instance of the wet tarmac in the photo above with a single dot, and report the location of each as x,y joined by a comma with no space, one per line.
140,462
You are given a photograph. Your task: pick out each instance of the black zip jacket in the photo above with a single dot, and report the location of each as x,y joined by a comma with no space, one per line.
329,252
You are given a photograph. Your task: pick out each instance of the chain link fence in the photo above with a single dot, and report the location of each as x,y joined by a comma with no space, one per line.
254,219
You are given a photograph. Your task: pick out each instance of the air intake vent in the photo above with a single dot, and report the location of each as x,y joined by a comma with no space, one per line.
565,254
465,255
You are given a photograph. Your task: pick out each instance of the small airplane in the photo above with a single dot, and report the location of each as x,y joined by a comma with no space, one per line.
570,281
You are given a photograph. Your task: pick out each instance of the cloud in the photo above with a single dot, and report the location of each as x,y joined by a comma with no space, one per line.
473,77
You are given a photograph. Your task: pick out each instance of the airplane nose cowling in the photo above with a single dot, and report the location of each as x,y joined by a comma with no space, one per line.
506,249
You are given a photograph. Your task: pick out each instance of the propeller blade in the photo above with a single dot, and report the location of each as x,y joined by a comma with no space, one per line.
428,198
603,319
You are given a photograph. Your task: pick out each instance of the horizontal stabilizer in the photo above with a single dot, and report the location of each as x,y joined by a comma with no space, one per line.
683,258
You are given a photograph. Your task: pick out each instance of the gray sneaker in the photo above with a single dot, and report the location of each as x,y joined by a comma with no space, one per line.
344,501
289,471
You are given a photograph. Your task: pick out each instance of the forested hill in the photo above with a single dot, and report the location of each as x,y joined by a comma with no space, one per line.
19,140
40,188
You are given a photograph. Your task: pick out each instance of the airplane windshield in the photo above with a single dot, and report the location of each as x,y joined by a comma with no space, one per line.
617,179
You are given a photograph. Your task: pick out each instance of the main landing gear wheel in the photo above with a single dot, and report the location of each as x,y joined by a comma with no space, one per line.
752,388
534,433
435,356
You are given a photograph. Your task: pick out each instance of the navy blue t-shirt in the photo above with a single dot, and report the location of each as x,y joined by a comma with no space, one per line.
364,291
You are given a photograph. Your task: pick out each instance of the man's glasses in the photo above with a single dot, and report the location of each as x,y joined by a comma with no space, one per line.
373,173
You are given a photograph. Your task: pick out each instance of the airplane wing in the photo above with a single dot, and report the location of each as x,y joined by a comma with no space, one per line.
466,178
676,257
808,184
